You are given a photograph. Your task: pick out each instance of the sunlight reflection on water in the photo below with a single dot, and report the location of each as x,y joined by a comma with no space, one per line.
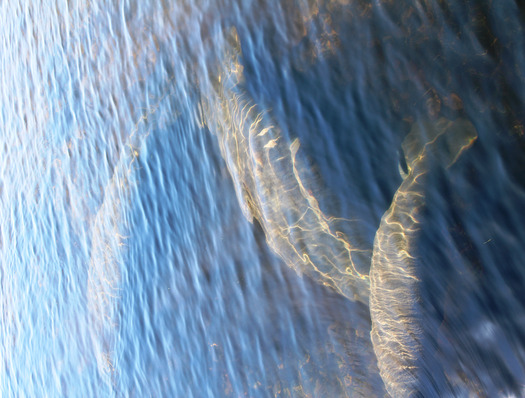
125,192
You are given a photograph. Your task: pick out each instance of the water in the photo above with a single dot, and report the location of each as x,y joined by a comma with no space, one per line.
192,198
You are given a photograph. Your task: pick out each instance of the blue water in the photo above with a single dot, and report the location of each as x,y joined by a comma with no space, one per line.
160,237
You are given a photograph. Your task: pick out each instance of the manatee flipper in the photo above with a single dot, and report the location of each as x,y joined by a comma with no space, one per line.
397,333
274,186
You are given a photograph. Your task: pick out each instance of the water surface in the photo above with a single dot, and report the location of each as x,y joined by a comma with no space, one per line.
192,196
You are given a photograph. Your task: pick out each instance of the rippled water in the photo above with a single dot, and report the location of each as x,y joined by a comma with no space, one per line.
304,198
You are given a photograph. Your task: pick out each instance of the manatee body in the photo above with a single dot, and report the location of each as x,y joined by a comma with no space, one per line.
274,187
108,244
395,307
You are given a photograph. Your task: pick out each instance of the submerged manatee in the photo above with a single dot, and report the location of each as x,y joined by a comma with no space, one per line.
107,242
274,188
397,332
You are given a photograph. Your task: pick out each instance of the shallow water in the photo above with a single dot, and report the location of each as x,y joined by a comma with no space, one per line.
191,192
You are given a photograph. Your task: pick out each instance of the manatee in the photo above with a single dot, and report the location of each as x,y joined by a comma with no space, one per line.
274,187
108,242
395,307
